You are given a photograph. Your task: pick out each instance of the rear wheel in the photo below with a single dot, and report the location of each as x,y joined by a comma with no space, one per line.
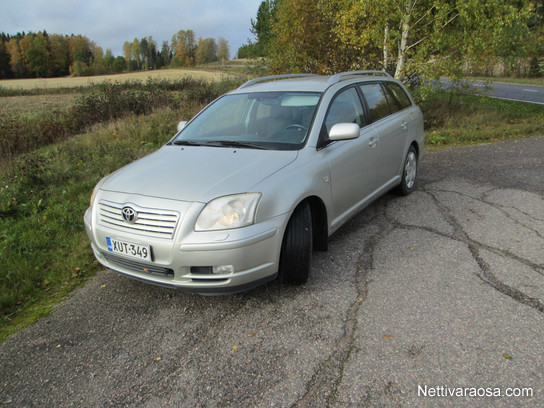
296,247
409,172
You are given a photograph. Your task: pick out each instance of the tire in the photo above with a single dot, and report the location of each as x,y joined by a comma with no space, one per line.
409,173
296,247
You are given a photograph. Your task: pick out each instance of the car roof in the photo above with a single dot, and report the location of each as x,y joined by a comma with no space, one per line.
306,82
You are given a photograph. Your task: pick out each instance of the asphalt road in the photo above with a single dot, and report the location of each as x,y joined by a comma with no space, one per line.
503,90
436,293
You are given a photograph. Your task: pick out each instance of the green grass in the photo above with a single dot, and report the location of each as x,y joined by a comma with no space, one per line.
455,119
44,250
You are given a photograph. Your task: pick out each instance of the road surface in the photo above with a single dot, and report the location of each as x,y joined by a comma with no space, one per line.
503,90
418,298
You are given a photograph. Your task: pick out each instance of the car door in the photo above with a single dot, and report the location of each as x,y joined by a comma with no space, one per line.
352,162
391,123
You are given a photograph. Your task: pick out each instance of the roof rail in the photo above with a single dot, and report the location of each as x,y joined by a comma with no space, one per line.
338,77
272,77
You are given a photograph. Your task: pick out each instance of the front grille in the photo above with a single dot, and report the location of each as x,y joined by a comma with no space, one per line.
137,266
150,222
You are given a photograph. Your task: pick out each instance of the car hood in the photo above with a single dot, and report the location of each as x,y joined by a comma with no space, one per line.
197,173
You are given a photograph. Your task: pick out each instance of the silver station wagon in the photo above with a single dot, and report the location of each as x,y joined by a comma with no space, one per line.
247,189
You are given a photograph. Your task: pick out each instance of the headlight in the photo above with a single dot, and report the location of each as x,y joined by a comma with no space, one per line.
93,194
228,212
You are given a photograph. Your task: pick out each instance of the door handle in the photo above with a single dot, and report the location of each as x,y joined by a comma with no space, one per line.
372,141
404,124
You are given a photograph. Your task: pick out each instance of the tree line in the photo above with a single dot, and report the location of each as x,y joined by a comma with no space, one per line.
43,55
404,37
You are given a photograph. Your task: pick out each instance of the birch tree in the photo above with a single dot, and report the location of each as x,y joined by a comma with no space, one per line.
430,37
223,50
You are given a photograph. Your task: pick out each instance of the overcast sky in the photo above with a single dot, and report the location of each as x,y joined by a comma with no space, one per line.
109,23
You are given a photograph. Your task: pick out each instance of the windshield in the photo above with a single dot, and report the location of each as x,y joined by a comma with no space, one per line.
266,120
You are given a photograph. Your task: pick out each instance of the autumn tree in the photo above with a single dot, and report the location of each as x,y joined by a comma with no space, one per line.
433,37
165,56
80,54
304,39
184,47
206,51
223,50
15,59
109,59
149,52
127,53
59,55
43,55
119,64
97,64
5,69
136,53
37,56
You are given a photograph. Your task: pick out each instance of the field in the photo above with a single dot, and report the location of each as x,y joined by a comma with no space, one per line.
14,105
58,142
75,82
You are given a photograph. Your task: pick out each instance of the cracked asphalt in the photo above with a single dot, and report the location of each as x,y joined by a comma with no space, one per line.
443,289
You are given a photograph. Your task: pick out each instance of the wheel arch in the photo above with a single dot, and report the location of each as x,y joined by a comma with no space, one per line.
320,225
416,146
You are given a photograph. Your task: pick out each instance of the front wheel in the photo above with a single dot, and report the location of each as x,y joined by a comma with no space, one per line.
409,173
296,247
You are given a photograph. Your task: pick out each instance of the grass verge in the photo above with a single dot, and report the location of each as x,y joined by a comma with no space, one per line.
44,251
453,119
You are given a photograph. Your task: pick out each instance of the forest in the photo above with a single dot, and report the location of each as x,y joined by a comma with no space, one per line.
44,55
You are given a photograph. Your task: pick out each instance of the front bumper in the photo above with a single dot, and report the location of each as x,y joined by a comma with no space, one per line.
249,254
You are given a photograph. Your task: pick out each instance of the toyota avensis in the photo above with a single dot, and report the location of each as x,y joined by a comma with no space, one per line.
257,180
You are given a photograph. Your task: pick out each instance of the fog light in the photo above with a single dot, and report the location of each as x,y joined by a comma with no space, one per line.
223,269
205,270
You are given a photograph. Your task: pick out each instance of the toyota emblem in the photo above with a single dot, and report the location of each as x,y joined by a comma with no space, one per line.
129,215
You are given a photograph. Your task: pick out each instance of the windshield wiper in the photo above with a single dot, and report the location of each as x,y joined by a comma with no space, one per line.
187,143
236,143
219,143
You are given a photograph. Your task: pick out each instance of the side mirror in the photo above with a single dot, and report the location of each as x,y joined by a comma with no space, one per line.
181,125
344,131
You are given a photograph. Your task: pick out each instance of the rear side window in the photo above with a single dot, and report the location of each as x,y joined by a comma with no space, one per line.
399,94
376,101
393,104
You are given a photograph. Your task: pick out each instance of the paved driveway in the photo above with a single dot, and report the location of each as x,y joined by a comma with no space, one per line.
438,293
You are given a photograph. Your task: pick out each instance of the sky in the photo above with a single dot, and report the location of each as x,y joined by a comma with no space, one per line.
109,23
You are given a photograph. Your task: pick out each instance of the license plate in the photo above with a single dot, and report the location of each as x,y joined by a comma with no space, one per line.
128,248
